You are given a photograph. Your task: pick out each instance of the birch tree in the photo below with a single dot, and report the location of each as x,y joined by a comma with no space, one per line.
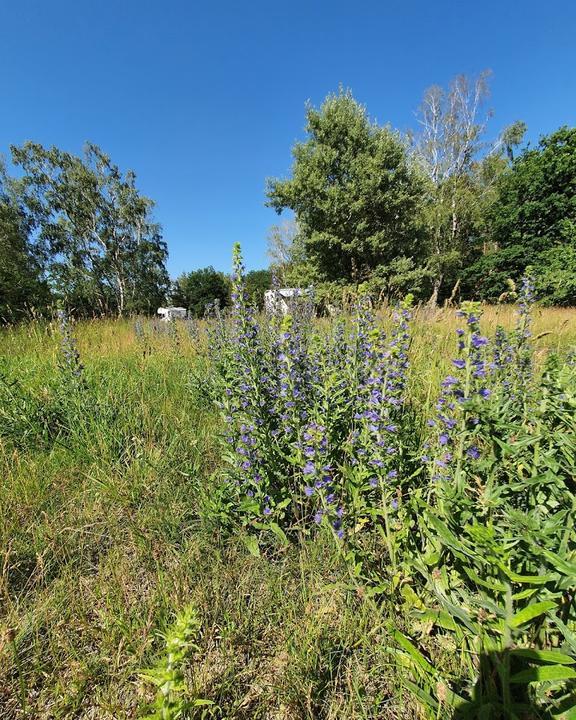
105,249
23,290
452,124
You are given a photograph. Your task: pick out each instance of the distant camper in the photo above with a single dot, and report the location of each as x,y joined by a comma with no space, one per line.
172,313
282,301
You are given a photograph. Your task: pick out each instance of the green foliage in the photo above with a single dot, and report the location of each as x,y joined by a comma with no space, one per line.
199,288
172,701
23,291
399,278
105,252
512,137
555,274
103,534
465,525
257,282
532,223
463,172
536,199
456,215
356,196
29,418
498,549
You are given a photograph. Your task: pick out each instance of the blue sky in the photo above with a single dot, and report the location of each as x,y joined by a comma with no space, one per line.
204,100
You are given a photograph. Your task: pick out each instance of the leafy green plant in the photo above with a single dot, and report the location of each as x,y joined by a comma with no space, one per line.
172,701
495,574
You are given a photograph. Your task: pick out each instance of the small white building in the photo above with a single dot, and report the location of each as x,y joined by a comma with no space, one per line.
283,300
172,313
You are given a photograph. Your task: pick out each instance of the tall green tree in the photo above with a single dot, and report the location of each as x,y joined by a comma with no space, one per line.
462,169
195,290
356,196
107,253
448,147
532,223
23,289
257,282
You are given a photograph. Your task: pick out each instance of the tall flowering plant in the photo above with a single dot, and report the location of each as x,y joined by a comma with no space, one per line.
242,400
512,364
69,364
311,414
454,440
495,567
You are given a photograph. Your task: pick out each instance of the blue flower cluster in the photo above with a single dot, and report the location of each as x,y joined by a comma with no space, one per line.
318,427
455,419
383,366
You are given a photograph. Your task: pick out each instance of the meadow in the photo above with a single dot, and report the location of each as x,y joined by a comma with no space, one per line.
171,547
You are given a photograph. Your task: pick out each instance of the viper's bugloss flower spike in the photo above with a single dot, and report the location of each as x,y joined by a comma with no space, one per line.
453,423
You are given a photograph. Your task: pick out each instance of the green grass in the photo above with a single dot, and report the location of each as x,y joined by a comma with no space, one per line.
103,540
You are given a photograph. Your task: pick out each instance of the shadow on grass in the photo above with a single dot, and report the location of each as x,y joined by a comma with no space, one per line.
494,697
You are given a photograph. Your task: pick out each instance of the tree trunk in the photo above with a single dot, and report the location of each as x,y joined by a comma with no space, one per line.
436,285
454,219
455,289
121,294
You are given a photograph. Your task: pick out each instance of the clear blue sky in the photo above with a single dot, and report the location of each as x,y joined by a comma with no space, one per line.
205,99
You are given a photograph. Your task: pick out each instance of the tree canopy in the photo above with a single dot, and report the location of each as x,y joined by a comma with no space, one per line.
195,290
532,223
23,291
355,194
442,213
257,282
105,252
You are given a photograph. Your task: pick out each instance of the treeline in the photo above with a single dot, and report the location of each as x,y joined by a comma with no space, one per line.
440,212
198,289
75,231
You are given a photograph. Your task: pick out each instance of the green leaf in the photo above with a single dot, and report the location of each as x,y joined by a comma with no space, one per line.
490,585
546,673
528,579
280,534
523,594
248,506
569,636
424,697
410,596
517,445
448,537
545,656
563,566
373,590
440,618
251,543
414,653
458,612
531,612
